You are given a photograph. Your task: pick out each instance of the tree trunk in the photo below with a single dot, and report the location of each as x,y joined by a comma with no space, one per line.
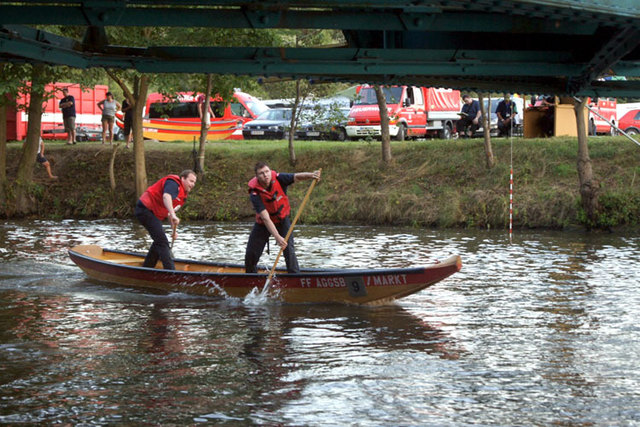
204,129
3,157
112,162
24,176
141,87
486,126
588,184
138,99
292,126
384,125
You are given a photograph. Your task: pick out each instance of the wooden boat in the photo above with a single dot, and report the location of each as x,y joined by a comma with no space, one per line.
369,287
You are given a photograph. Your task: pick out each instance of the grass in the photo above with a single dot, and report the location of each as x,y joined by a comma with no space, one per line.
431,183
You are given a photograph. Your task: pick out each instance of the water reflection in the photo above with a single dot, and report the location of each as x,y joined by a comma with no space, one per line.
155,357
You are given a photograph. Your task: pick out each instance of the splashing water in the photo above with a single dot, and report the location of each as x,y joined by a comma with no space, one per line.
256,297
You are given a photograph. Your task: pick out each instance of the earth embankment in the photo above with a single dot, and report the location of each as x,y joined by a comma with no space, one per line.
433,183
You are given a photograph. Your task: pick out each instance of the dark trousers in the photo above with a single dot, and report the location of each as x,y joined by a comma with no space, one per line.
464,123
160,248
504,126
259,237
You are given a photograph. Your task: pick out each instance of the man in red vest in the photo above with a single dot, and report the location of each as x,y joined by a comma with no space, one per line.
159,201
268,193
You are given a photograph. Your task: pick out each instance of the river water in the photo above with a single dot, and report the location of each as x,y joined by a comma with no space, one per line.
538,332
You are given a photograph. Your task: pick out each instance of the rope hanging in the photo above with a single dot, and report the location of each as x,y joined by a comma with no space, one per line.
511,185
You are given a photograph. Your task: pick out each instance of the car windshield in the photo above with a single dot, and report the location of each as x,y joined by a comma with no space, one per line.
257,107
276,114
367,95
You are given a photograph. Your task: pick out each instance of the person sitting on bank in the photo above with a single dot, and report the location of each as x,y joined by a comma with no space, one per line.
159,201
506,112
268,194
40,158
469,121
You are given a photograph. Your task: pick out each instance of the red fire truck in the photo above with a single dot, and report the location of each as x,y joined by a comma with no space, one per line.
87,113
413,112
607,108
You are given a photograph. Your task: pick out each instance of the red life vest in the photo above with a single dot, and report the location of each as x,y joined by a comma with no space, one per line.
275,200
152,198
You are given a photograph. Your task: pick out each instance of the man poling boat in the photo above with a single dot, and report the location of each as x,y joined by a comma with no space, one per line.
343,286
268,193
160,201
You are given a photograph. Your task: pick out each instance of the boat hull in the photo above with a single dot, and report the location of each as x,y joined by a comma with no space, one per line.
363,287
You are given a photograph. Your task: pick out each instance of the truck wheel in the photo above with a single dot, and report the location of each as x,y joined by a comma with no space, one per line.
341,134
445,132
401,133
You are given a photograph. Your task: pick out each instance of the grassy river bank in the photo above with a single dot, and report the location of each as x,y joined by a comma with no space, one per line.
432,183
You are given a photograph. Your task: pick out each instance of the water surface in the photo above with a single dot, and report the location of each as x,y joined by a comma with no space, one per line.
542,331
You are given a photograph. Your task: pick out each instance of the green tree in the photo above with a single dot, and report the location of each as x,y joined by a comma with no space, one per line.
11,76
39,77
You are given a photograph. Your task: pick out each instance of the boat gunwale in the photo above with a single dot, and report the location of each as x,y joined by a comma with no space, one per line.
303,273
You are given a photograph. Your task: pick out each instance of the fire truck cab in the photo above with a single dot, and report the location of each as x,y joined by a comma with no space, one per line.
413,112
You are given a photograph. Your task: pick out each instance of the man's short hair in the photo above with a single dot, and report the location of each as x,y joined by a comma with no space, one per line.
465,96
259,166
185,173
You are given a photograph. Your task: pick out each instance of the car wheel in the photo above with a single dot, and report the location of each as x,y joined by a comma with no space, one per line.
632,131
445,132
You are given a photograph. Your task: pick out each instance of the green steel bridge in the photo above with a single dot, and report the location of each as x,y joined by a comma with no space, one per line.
572,47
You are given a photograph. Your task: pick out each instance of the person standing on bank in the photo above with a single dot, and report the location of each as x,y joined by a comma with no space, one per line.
268,193
127,109
68,106
159,201
108,106
506,111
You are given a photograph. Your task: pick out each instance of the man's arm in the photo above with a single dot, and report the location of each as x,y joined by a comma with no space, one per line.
302,176
167,199
266,219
